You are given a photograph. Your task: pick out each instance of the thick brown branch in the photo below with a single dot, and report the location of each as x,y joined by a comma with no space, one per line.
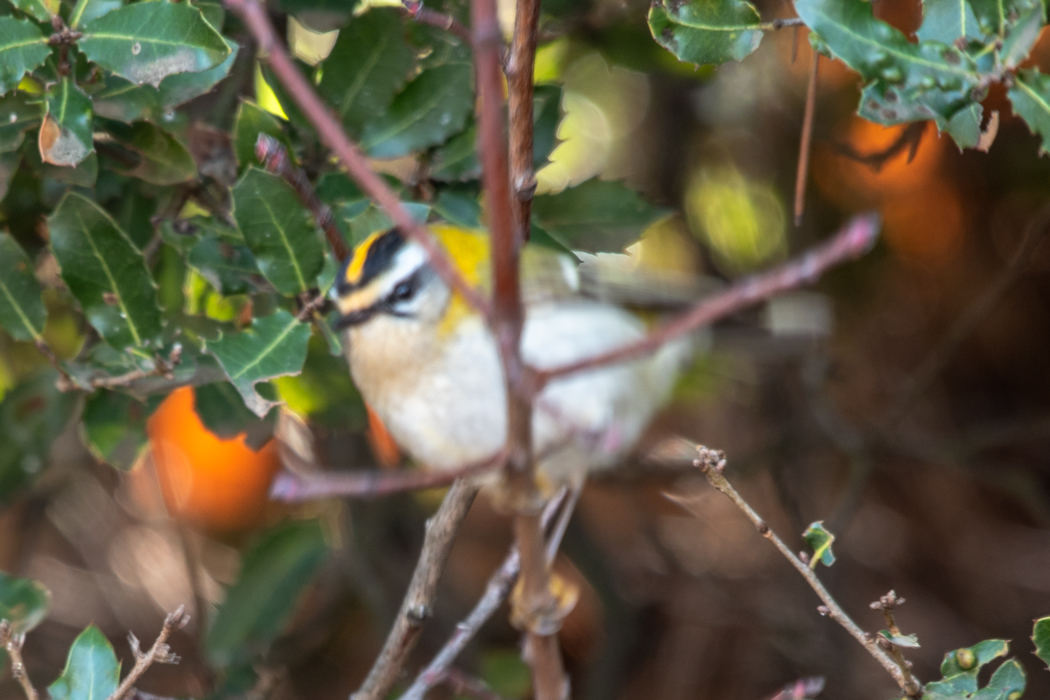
159,653
853,240
331,132
520,72
274,157
712,464
415,608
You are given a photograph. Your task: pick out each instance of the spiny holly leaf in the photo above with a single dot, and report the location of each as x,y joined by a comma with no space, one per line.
32,415
273,346
162,160
597,216
820,541
252,120
905,81
1025,20
40,10
259,604
148,41
1030,98
367,66
92,671
700,31
18,113
23,47
1007,683
1041,639
114,426
105,272
86,10
65,135
23,602
434,106
279,230
947,21
22,310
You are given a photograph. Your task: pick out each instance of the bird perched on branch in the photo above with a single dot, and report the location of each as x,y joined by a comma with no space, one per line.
428,365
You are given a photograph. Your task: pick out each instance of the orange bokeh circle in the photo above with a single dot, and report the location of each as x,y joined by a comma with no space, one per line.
219,484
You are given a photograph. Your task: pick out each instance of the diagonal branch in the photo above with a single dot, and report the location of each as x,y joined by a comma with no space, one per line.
855,239
159,653
415,608
415,11
254,16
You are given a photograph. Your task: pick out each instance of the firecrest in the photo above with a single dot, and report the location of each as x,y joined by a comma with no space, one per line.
427,364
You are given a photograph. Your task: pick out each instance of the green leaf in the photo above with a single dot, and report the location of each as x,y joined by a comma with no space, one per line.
820,541
905,81
32,415
252,120
948,20
114,426
273,346
18,113
596,216
183,87
701,31
319,15
1026,20
459,205
1007,680
279,230
40,10
23,602
22,48
457,159
546,116
66,134
92,671
83,174
87,10
223,412
162,159
22,310
374,219
1030,98
148,41
1041,639
369,63
910,641
226,266
965,126
261,601
969,660
105,272
434,106
125,101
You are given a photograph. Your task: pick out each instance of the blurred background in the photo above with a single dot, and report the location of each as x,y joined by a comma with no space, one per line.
903,401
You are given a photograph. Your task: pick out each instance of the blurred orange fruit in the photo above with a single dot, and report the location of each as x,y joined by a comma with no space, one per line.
219,484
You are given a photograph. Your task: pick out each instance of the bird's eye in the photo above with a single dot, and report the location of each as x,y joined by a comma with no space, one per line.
403,291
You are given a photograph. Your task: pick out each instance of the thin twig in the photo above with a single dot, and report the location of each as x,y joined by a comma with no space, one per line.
855,239
13,644
776,24
887,604
496,591
253,13
159,653
966,324
712,464
802,176
469,687
424,15
416,606
289,487
520,71
274,157
162,367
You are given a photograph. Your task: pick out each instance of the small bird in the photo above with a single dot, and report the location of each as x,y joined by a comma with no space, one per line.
427,364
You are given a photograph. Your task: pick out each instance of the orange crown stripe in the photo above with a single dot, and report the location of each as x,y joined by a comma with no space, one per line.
357,262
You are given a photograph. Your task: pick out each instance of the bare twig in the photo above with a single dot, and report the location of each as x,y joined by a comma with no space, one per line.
469,687
496,591
274,157
13,644
966,324
802,176
776,24
887,604
852,241
289,487
331,132
520,70
159,653
162,367
712,464
424,15
415,608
